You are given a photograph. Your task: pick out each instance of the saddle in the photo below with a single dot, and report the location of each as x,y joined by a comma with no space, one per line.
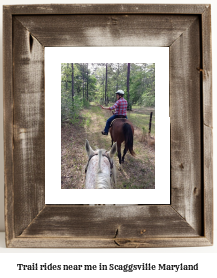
118,117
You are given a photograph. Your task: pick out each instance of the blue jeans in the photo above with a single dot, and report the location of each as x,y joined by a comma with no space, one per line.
108,122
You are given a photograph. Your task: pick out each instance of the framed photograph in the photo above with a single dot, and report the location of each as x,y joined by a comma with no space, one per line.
32,33
149,95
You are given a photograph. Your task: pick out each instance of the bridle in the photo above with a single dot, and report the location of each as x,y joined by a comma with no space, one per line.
110,162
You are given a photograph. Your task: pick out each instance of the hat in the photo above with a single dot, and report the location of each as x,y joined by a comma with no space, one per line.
120,92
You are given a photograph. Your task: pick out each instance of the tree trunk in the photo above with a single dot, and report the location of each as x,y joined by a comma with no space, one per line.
128,83
83,81
67,77
87,82
72,82
106,85
117,78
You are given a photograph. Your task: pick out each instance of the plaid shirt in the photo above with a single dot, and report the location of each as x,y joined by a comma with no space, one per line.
120,107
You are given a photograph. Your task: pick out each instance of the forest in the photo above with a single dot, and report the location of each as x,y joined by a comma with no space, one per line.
84,87
85,83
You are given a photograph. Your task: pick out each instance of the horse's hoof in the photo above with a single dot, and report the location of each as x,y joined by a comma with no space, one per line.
119,168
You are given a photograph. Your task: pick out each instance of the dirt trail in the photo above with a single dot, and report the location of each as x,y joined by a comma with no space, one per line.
137,172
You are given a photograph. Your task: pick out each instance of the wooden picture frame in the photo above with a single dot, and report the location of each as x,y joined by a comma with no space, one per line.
186,30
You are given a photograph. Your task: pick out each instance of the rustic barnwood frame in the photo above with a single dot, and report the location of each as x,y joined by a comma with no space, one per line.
186,30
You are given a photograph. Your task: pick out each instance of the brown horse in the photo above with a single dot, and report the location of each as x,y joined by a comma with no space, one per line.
120,131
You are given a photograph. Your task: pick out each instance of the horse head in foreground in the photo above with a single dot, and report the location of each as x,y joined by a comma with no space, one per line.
100,169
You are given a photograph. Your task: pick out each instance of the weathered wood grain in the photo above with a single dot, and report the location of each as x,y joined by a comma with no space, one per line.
8,125
186,30
107,242
207,66
186,133
29,130
107,30
207,118
109,221
208,183
106,9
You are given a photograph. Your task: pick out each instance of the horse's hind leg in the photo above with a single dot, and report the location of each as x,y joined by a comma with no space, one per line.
111,136
125,151
119,155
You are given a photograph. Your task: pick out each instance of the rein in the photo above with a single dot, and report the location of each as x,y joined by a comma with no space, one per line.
111,163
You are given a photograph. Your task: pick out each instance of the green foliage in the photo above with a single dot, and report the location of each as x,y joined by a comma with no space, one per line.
142,84
86,104
66,107
89,86
129,106
144,130
141,119
70,109
83,79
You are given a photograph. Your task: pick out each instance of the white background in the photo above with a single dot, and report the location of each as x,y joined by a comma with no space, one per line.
206,256
53,192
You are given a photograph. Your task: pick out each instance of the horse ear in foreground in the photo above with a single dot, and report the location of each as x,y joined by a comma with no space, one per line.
121,131
100,169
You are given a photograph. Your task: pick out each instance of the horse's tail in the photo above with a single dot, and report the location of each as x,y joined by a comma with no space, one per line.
128,135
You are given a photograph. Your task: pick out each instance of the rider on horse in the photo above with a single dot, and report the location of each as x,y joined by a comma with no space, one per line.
120,107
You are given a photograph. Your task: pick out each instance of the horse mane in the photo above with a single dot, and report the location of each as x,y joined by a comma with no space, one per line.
103,180
98,174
